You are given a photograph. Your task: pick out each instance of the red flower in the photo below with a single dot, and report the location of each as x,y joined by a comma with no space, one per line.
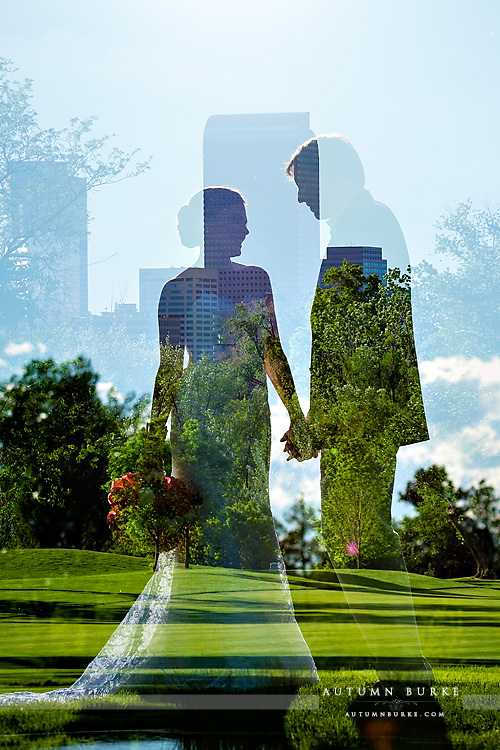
130,478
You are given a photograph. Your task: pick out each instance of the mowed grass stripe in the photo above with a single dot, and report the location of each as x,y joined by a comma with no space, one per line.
36,563
458,620
49,639
65,603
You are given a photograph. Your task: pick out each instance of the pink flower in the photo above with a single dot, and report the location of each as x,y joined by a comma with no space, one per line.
117,484
352,548
111,516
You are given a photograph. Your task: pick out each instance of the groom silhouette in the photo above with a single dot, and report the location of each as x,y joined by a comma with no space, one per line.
359,447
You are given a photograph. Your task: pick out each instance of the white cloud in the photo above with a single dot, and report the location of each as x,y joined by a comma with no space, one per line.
469,455
287,485
462,397
12,349
280,422
104,390
456,369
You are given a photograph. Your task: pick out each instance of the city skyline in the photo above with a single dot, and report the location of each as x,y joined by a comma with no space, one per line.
400,99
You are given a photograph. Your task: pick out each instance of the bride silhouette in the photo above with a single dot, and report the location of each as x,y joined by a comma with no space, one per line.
227,623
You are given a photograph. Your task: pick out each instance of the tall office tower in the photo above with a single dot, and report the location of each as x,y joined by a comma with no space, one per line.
249,153
151,282
49,213
369,258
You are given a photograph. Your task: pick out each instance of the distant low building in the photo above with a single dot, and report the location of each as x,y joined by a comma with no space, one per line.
369,258
127,317
142,322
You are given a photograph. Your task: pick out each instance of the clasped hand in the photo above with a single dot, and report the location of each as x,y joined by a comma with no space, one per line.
298,442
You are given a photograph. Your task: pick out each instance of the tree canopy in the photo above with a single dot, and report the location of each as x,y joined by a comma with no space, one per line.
220,439
55,438
456,530
299,537
459,306
151,513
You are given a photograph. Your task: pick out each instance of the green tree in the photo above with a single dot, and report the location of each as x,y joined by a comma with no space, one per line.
224,464
454,529
125,456
299,537
460,305
151,513
45,175
56,435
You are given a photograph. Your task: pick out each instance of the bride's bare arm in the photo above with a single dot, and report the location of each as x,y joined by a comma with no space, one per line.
166,384
297,438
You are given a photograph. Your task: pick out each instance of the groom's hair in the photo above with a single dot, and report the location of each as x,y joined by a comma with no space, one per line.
337,155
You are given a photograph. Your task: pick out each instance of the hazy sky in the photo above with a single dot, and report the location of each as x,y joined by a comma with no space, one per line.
413,84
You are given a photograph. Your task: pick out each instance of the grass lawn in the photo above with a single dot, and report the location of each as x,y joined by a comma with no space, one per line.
59,607
459,624
458,620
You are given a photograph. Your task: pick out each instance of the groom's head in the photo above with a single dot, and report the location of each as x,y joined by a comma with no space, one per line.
328,172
